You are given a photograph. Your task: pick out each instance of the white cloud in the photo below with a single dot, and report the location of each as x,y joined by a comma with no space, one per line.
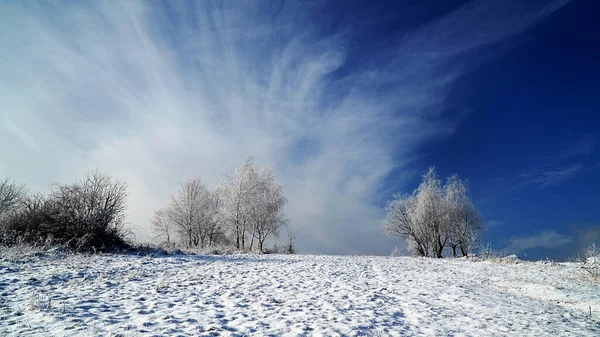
157,95
494,223
545,239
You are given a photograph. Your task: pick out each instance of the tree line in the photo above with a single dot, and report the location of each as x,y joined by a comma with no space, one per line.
435,216
244,211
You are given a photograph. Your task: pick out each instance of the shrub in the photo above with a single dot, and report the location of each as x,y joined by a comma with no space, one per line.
592,260
83,216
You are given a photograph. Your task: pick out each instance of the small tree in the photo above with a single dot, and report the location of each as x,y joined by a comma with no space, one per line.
214,229
11,194
266,208
252,205
401,222
161,225
430,212
236,208
290,248
465,222
12,198
189,212
248,205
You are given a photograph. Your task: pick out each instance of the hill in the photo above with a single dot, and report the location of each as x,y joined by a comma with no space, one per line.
57,294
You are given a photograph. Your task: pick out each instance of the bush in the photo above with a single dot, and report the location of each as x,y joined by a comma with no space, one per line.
11,196
83,216
592,260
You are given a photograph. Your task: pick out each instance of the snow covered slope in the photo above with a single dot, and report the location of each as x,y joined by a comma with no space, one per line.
253,295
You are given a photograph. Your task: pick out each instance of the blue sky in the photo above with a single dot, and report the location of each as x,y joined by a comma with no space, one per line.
530,145
348,102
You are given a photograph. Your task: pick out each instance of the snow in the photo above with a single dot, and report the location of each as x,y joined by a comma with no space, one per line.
56,294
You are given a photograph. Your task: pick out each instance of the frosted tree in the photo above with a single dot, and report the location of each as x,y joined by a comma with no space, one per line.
401,222
12,199
252,204
237,206
189,212
434,217
191,217
266,210
11,194
212,229
465,222
291,238
162,226
430,212
248,205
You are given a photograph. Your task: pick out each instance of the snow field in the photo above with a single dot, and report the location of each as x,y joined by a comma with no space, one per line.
271,295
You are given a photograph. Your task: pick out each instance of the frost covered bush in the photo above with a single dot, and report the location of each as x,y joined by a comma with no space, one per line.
85,216
510,259
11,199
397,252
487,252
592,260
11,195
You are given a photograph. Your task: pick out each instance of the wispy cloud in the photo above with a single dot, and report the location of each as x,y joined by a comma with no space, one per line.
574,156
494,224
545,239
551,176
583,145
156,93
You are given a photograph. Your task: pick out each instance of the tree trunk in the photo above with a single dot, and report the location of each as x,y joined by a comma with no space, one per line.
243,237
463,250
453,251
438,248
260,245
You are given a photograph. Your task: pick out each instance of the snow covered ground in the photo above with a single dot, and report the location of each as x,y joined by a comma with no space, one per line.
48,294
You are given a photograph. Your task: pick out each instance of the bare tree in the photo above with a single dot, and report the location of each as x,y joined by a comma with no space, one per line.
465,222
401,222
248,205
189,212
192,216
267,203
251,205
434,217
291,236
236,209
162,226
431,212
11,194
214,228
